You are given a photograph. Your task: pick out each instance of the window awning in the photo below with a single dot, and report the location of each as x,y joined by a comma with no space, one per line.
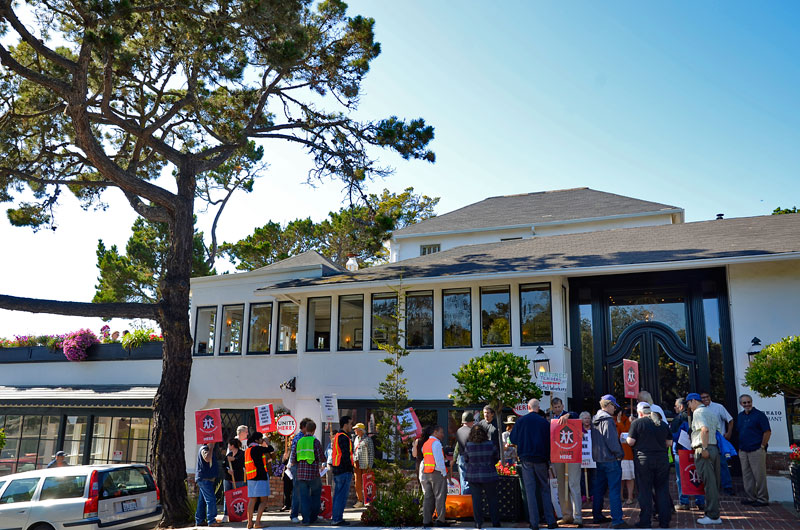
78,396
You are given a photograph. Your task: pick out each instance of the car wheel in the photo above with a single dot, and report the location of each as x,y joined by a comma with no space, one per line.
41,526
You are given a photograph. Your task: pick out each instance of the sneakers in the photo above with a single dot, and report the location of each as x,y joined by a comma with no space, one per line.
681,507
295,519
565,520
358,504
709,520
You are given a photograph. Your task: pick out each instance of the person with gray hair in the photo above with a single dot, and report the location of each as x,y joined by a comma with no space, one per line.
754,434
243,433
650,438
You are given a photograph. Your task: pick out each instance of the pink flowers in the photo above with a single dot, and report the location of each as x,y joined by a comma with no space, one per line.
76,343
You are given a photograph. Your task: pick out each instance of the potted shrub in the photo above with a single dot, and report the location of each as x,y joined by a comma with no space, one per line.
143,344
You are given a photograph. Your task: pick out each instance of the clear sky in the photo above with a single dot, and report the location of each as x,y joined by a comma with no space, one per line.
693,104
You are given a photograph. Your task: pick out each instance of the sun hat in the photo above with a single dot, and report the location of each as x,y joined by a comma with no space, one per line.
612,399
510,420
360,426
467,417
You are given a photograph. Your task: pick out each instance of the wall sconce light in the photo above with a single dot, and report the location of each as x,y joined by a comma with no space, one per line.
290,385
755,349
541,363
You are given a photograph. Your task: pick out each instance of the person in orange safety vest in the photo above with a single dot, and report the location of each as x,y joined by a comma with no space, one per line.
342,467
433,477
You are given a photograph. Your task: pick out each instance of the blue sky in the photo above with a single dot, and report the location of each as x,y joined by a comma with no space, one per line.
692,104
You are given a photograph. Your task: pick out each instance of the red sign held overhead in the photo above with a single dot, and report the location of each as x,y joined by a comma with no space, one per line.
566,442
236,501
408,424
265,419
325,504
208,424
691,484
370,491
630,377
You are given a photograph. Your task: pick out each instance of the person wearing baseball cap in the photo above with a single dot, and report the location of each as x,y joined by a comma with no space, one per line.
706,460
59,460
607,453
650,438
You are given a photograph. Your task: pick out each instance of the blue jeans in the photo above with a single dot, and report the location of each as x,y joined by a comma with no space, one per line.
608,475
295,497
533,475
310,492
699,500
341,491
206,503
462,472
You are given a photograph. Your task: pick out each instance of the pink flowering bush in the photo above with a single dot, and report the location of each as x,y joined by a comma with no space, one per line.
76,343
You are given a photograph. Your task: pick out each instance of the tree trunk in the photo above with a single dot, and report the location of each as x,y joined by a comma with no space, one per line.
170,401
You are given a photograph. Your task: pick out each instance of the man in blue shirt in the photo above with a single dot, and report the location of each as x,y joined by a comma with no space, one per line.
754,433
531,435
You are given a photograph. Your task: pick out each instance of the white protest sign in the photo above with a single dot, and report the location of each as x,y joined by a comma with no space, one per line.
552,381
587,462
265,418
329,406
287,425
520,409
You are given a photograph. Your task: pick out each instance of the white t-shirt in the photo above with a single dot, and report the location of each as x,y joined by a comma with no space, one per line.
722,412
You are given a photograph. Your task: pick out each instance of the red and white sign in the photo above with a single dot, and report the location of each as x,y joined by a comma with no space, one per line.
453,486
691,484
520,409
566,442
370,490
265,418
630,378
208,425
412,427
325,504
287,425
236,501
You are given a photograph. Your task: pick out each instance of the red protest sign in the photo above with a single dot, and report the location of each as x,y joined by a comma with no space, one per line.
630,375
691,484
566,442
412,427
236,501
265,419
325,504
208,425
370,491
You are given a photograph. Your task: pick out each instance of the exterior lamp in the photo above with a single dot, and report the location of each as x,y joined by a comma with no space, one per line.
290,385
755,349
541,363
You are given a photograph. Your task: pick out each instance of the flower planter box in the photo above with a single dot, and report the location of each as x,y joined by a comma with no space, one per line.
15,355
45,354
148,350
106,352
96,352
509,500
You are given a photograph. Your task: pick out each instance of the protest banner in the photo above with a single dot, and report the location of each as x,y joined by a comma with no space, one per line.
691,484
552,381
325,504
370,490
587,461
630,374
236,501
265,418
329,406
286,425
208,425
408,424
453,486
566,442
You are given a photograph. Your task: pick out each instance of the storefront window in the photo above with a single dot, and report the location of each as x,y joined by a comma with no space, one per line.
75,438
205,330
535,309
665,307
384,319
495,316
260,326
457,318
288,314
119,440
319,324
419,320
232,329
351,322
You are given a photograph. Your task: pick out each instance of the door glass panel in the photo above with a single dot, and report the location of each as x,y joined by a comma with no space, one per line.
674,380
587,357
711,316
617,388
665,307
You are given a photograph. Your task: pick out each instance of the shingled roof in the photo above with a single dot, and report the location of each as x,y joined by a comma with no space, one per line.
310,257
689,242
530,209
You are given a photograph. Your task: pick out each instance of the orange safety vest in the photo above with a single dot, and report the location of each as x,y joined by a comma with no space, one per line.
428,462
250,466
336,455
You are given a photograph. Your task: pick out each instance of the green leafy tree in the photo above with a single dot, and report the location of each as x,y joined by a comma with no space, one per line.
776,369
781,211
497,378
360,230
2,439
152,99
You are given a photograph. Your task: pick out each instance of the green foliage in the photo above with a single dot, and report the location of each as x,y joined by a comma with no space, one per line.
400,510
139,337
498,378
358,230
2,439
137,275
781,211
776,369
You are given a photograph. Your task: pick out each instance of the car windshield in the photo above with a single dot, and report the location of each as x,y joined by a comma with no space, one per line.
126,481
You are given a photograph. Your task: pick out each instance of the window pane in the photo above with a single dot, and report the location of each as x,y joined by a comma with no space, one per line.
232,327
8,456
351,322
419,319
319,324
13,426
121,428
138,451
28,448
47,451
102,426
495,316
118,451
667,308
535,314
99,453
711,316
457,318
260,326
673,378
140,428
384,319
288,313
74,452
50,426
31,426
205,330
76,428
19,490
131,480
63,487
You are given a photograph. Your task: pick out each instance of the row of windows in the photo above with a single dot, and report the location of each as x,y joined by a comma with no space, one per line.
495,322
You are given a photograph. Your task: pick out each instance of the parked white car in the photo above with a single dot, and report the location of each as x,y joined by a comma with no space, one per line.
80,498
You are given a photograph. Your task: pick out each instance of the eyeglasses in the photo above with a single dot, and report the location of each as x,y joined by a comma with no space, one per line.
746,402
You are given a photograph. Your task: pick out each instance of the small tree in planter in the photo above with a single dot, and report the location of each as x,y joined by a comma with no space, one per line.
776,369
498,378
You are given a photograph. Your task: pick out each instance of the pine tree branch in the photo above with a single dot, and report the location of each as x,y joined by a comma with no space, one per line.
83,309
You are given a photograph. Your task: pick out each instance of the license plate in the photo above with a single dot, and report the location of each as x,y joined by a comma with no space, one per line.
128,506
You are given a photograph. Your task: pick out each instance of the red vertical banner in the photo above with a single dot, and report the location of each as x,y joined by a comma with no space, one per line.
690,478
368,480
630,378
236,501
208,425
325,503
566,442
265,419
